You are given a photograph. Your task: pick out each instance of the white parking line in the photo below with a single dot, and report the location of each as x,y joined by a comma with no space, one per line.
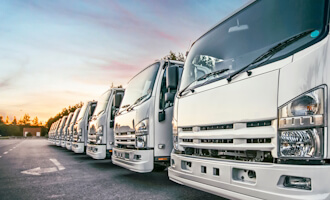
58,164
5,152
10,149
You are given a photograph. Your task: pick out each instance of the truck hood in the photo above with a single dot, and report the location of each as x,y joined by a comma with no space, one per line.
245,99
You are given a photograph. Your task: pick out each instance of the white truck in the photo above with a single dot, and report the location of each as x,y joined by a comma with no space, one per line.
100,132
69,137
81,127
54,133
143,129
50,132
60,131
251,114
65,130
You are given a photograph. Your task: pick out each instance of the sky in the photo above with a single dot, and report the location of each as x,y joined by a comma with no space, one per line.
56,53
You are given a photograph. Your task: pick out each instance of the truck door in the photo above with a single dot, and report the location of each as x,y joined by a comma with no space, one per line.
163,120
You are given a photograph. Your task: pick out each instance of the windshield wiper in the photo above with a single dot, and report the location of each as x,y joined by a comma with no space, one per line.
205,76
137,101
125,106
268,54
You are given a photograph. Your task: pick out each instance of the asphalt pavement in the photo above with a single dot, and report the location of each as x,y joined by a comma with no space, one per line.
35,169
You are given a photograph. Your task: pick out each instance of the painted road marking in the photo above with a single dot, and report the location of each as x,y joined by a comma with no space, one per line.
0,156
5,152
58,164
10,149
38,171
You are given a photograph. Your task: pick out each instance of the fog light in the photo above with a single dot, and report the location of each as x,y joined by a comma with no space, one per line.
298,182
137,157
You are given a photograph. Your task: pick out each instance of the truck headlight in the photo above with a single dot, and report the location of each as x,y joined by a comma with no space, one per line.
80,131
175,134
142,128
100,130
301,126
305,143
310,103
98,139
141,141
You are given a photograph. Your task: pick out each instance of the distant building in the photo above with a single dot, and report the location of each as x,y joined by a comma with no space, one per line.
35,131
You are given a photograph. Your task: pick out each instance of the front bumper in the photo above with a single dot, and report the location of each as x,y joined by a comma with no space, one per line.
78,147
97,151
68,145
267,185
127,158
63,143
58,142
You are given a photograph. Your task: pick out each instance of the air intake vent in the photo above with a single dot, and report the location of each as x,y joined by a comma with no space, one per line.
217,141
187,140
259,140
260,123
187,129
215,127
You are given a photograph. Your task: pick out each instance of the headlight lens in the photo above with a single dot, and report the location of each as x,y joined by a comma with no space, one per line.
305,105
142,128
80,131
98,139
100,130
301,143
311,103
141,141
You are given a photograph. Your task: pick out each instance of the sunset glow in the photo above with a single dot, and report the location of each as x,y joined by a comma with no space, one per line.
57,53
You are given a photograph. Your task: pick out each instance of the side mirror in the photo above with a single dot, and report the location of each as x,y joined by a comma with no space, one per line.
118,99
161,116
169,97
172,77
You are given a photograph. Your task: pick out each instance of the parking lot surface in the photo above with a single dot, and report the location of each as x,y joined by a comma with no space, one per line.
35,169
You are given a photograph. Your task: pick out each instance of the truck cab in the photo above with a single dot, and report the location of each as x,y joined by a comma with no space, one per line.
251,114
56,131
142,131
65,130
69,137
60,131
81,127
100,132
50,132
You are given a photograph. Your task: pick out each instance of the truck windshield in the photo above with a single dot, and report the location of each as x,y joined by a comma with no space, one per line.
68,120
240,39
140,87
76,112
82,111
102,103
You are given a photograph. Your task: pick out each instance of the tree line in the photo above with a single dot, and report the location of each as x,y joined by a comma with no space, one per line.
65,111
25,120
